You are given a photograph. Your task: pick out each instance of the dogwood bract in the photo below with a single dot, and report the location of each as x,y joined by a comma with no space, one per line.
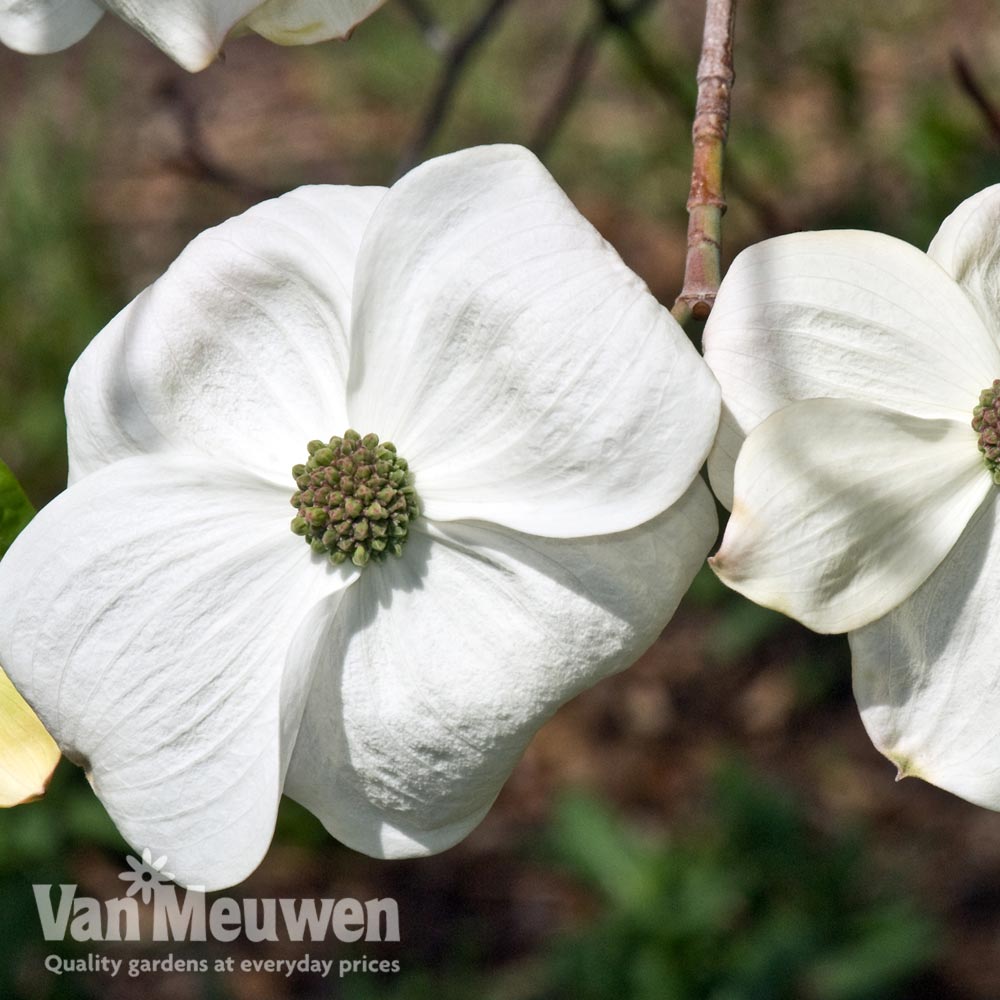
191,32
862,375
529,530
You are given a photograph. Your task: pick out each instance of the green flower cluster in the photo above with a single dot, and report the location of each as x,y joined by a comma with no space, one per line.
355,499
986,422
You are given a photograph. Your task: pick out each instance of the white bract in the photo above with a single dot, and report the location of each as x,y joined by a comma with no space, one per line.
197,658
191,32
851,366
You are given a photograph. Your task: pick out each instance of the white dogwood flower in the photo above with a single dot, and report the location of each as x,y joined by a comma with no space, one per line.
386,661
191,32
860,394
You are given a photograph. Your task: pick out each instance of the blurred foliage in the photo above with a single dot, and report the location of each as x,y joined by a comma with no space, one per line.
738,626
15,508
55,292
38,844
753,903
758,903
41,837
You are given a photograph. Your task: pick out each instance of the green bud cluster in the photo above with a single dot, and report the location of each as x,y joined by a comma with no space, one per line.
986,422
354,499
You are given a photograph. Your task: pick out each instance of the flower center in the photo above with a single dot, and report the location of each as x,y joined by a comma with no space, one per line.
986,421
355,499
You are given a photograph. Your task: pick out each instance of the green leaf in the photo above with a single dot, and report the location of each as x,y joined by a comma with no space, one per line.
15,508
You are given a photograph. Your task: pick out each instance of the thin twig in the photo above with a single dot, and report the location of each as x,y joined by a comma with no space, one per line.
434,32
660,75
970,84
456,60
674,92
706,202
581,62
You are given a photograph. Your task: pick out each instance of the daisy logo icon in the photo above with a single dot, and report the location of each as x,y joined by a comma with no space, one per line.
146,875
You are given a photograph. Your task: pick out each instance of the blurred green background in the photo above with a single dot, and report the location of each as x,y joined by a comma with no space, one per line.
712,824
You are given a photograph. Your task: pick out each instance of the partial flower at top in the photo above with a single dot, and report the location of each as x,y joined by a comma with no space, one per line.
860,395
362,489
191,32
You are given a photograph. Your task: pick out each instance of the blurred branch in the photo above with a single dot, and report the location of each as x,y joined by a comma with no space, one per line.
194,159
968,81
456,59
672,90
663,79
580,64
435,34
706,202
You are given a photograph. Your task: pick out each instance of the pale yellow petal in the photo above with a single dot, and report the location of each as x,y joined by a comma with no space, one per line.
28,755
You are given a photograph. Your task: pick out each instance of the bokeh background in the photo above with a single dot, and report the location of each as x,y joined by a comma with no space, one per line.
713,823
